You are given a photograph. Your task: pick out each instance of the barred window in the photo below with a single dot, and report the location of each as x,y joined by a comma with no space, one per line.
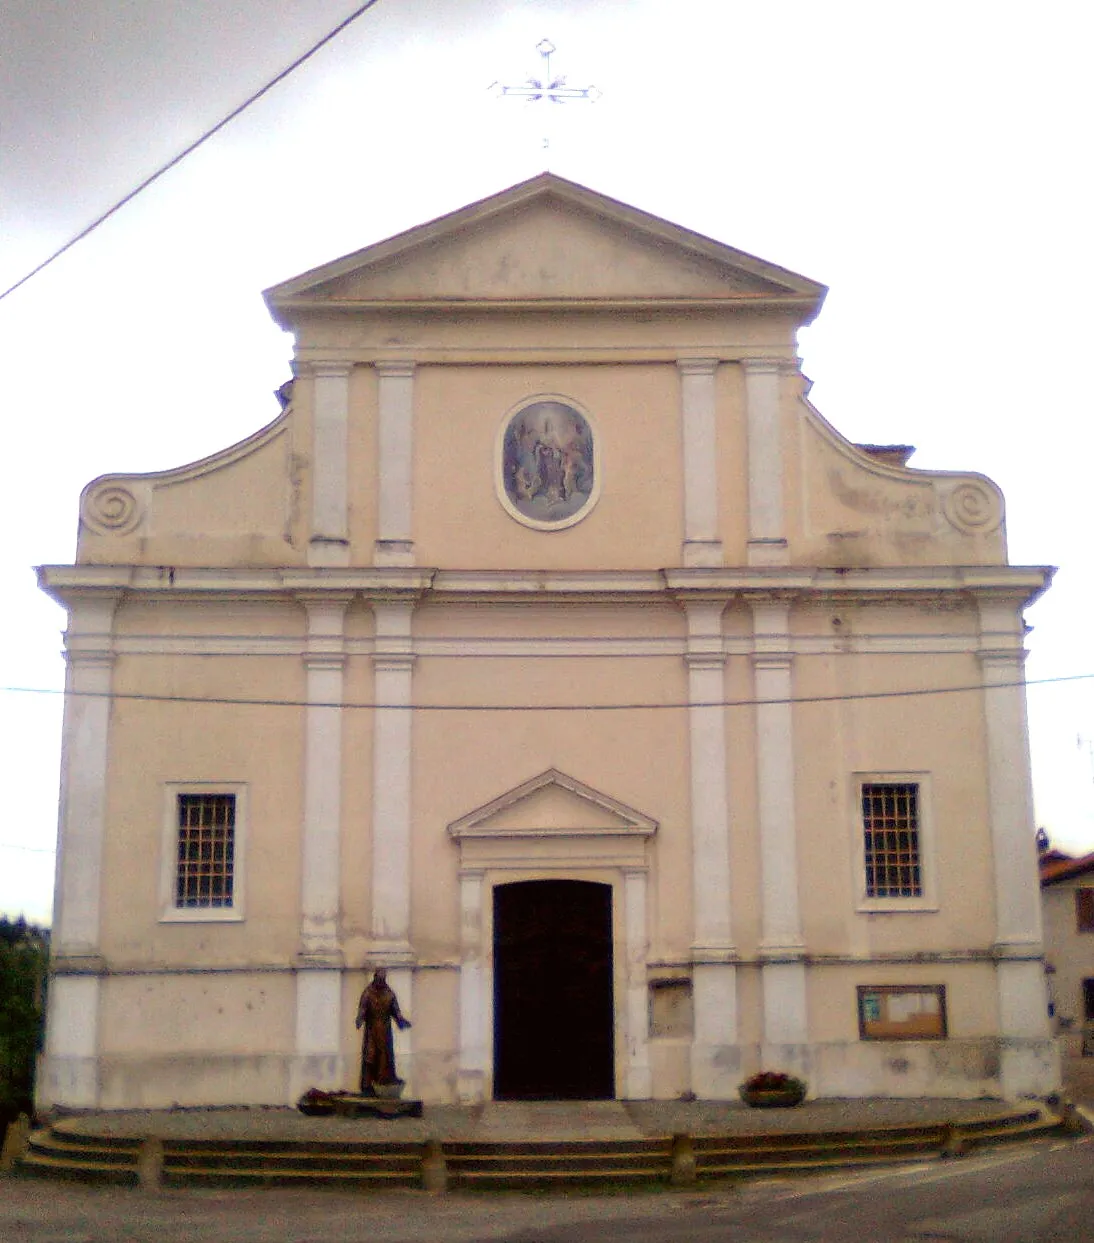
1084,910
890,821
205,862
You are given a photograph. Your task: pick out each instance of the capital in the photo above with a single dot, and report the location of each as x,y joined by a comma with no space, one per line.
397,369
697,366
326,367
768,365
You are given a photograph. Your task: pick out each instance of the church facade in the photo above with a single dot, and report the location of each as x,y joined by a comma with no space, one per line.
551,652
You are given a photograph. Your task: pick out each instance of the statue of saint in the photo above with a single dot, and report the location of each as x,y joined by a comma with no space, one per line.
376,1011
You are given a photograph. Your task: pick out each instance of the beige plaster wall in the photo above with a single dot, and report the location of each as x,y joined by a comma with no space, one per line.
157,742
240,507
923,737
638,522
853,510
465,760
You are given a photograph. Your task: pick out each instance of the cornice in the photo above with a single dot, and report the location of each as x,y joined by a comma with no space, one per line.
1014,586
286,307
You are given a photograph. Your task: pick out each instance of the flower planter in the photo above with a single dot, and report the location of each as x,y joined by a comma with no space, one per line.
772,1098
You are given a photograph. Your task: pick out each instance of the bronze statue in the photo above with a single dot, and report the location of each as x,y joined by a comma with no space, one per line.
376,1011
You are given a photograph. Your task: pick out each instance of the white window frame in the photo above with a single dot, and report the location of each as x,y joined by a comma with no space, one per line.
169,912
928,899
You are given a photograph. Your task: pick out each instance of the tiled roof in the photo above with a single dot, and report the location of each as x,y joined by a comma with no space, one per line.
1055,868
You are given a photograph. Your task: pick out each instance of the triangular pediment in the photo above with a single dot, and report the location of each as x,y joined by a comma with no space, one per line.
553,804
545,240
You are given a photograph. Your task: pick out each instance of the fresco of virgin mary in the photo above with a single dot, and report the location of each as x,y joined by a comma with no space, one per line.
548,467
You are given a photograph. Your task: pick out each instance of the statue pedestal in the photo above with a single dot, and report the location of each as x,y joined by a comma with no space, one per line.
352,1105
317,1104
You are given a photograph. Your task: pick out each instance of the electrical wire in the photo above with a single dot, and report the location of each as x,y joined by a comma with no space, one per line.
680,705
192,147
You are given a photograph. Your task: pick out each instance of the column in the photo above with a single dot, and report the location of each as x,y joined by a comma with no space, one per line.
767,544
699,423
714,1054
781,951
471,1074
639,1082
1029,1057
395,464
70,1071
329,544
319,1061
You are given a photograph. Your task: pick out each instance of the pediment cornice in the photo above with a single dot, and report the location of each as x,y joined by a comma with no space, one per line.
680,269
606,816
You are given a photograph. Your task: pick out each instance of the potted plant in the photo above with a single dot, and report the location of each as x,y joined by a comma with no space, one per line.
772,1089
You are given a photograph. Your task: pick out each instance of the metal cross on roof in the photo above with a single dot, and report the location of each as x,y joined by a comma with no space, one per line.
548,86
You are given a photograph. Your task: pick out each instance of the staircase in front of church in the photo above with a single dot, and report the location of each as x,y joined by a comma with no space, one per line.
515,1161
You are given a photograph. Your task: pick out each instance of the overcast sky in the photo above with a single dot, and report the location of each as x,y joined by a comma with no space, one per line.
928,161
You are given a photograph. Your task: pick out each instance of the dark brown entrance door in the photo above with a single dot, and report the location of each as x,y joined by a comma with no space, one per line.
553,1011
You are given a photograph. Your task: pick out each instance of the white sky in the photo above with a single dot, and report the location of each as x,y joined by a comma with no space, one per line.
929,161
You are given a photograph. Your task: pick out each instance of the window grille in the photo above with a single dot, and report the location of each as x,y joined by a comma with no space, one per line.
205,869
1084,910
890,819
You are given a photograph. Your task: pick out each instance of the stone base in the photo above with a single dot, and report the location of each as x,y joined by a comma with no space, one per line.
353,1105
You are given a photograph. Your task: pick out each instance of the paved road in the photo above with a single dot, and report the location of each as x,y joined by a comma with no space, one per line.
1043,1194
1033,1193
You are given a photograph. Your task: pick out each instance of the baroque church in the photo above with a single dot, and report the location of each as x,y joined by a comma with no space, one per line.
552,652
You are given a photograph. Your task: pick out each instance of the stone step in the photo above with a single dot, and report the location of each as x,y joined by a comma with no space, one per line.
179,1160
264,1176
77,1167
62,1152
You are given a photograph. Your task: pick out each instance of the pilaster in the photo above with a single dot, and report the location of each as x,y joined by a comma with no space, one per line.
471,1073
1028,1058
781,950
70,1070
767,539
318,1060
714,1053
84,751
698,409
395,464
639,1081
401,981
329,543
393,666
324,663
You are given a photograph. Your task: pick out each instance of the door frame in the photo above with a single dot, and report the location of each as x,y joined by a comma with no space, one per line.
593,837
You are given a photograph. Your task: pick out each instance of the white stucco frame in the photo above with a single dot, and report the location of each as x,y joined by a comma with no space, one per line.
927,901
169,912
499,844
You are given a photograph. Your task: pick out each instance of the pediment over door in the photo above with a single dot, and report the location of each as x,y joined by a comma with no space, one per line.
553,820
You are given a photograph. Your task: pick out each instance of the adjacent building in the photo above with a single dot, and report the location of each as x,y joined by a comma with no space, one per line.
1067,896
551,651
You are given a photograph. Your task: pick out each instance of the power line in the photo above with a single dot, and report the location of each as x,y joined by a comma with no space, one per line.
189,150
680,705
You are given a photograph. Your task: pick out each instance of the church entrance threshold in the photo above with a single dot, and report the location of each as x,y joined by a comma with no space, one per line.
553,1007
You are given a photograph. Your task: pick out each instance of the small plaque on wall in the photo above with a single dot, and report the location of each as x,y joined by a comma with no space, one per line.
902,1011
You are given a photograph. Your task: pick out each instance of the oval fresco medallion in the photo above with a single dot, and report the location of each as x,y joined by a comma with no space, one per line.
549,469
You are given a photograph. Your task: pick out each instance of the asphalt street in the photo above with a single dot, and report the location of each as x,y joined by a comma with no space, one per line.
1038,1195
1031,1193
